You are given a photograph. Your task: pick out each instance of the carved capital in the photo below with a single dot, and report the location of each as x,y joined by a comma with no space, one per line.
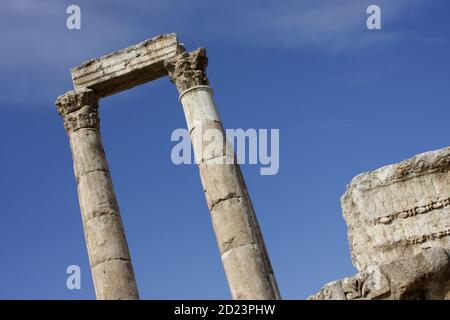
79,109
188,69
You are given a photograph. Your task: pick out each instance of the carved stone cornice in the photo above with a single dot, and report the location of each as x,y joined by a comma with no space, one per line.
188,69
79,109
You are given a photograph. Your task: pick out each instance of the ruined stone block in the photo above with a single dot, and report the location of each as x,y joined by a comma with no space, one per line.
399,210
231,224
243,260
115,280
220,180
105,238
127,68
398,221
424,276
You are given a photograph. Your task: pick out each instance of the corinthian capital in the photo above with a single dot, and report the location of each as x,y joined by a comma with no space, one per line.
79,109
188,69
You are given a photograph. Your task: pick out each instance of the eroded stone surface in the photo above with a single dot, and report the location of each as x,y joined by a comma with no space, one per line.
421,276
129,67
115,280
398,221
188,69
399,210
241,262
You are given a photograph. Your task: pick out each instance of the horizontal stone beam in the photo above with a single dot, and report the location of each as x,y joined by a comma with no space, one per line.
127,68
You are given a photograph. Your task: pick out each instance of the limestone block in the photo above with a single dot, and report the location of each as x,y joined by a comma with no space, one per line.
220,181
198,106
209,141
331,291
87,151
129,67
425,275
399,210
244,269
114,280
105,238
231,224
96,194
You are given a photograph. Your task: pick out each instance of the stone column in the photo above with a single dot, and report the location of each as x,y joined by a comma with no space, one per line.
243,252
105,237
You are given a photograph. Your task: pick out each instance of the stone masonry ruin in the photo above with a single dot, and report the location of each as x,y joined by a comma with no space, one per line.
398,221
398,216
243,252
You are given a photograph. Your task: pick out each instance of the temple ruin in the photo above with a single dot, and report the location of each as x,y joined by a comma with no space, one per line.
397,216
243,252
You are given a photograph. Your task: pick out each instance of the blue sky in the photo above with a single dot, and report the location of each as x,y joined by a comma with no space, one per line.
346,100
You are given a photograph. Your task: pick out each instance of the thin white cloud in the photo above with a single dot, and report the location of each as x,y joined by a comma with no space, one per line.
324,24
40,50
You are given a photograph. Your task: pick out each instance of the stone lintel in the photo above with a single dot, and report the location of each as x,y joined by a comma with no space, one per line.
127,68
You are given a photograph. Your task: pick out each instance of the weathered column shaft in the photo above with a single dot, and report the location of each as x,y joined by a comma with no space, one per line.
105,237
243,252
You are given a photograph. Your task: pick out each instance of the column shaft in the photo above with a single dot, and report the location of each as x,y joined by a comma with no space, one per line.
243,252
105,237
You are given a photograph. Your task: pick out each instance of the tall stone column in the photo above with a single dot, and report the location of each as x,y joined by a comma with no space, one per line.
105,237
243,252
